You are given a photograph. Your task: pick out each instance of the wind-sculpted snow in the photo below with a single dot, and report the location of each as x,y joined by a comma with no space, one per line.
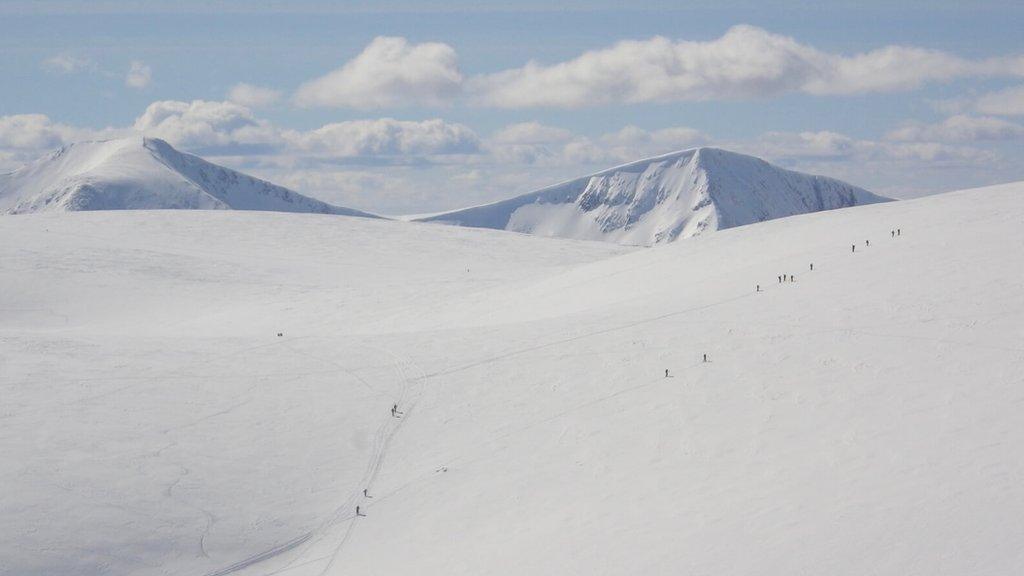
209,393
678,195
142,173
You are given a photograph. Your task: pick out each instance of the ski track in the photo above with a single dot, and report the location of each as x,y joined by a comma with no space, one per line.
383,437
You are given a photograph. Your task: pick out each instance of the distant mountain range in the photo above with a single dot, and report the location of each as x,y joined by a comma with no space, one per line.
647,202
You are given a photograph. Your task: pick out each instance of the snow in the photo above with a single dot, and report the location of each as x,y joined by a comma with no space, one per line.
662,199
142,173
861,419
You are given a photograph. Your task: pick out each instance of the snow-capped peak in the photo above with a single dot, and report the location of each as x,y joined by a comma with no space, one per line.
661,199
138,173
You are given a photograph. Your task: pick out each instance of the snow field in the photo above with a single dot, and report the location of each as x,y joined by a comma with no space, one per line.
861,419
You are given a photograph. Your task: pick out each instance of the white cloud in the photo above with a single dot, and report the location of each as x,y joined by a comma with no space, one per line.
534,143
25,137
139,75
390,72
959,128
253,96
68,63
794,148
664,139
202,124
226,128
531,133
386,137
1006,102
746,62
32,132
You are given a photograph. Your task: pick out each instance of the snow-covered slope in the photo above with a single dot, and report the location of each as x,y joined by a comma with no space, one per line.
862,419
142,173
665,198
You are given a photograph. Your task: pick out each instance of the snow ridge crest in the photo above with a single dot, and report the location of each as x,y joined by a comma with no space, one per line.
664,198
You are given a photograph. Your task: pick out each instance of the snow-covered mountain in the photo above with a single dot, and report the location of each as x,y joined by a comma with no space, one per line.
661,199
139,173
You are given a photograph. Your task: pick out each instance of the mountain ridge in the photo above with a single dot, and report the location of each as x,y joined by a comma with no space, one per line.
137,173
663,198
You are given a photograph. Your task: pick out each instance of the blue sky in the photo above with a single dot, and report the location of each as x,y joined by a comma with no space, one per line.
420,106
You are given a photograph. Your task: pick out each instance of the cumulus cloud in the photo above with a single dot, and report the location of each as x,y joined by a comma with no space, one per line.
227,128
68,63
534,143
253,96
529,143
24,137
1006,102
139,75
32,132
959,128
746,62
667,139
794,148
205,125
387,137
531,133
389,72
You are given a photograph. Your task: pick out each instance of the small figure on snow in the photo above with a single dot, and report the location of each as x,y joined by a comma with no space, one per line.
666,372
853,247
812,266
758,288
358,512
867,242
705,357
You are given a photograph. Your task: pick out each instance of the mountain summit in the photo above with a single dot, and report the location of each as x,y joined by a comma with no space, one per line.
664,198
142,174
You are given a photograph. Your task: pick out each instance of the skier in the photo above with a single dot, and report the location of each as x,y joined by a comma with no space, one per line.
780,279
666,372
365,495
705,357
812,266
758,288
898,232
853,247
892,233
394,411
358,513
867,242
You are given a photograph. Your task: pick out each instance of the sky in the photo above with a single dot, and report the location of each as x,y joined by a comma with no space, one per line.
407,107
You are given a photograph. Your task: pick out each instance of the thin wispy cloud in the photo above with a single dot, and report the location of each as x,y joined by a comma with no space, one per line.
68,63
139,75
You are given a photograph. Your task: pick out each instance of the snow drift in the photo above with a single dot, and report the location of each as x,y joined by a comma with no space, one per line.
661,199
143,174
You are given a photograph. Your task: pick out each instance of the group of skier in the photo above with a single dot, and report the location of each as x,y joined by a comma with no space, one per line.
396,413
